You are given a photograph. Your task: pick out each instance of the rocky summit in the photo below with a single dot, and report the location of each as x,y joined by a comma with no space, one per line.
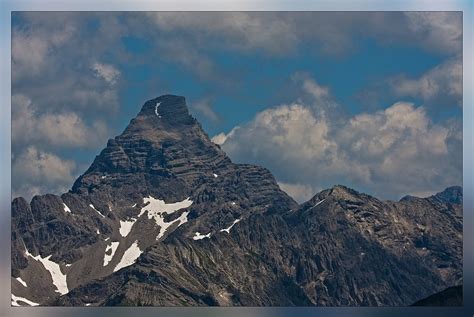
162,217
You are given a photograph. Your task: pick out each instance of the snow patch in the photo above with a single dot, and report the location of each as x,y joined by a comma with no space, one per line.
68,265
230,227
66,208
92,206
59,279
108,257
97,231
319,202
199,236
88,304
16,299
215,175
156,109
157,209
233,203
21,281
126,227
106,239
129,257
134,205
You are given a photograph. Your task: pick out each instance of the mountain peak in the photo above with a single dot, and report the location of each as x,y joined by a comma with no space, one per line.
167,108
338,192
342,192
161,143
451,194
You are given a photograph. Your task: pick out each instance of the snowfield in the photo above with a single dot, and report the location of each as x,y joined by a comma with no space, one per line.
21,281
66,208
108,257
129,257
157,209
126,227
199,236
156,109
92,206
16,299
59,279
230,227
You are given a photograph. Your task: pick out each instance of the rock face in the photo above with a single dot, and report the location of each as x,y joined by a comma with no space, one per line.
163,217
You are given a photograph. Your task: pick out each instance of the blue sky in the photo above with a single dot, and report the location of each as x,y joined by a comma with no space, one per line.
369,100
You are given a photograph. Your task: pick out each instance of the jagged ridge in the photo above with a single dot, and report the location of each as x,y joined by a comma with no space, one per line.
339,248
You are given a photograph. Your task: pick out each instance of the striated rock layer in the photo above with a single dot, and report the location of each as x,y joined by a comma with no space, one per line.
163,217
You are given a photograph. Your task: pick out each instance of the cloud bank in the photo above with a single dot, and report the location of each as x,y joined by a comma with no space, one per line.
38,172
388,153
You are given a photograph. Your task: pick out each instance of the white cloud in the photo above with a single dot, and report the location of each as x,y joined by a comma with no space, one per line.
443,82
61,94
107,72
52,64
36,171
28,53
219,138
388,153
299,192
56,130
30,49
401,127
441,31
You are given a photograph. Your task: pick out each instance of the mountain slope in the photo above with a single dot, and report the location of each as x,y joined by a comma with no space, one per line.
158,159
163,217
330,251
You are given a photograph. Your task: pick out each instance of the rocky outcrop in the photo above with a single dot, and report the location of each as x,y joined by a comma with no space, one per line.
163,217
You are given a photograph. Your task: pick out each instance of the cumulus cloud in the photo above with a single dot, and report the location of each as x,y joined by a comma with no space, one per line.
442,83
107,72
30,49
38,172
389,153
62,91
220,138
52,129
52,64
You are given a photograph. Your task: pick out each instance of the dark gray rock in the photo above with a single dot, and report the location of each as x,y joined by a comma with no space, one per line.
340,248
451,195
